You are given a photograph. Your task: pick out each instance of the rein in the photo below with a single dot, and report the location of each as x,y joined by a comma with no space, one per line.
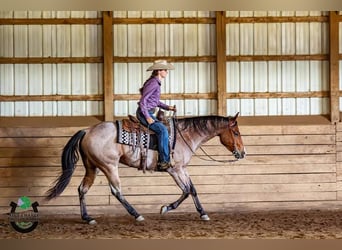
187,144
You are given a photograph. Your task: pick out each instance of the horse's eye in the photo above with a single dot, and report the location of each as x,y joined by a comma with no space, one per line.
236,133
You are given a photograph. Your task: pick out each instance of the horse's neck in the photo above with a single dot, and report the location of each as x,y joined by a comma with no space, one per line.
203,139
198,137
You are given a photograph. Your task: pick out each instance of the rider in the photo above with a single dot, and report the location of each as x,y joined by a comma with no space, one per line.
149,101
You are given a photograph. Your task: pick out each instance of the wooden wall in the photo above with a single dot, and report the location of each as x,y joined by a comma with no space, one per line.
291,163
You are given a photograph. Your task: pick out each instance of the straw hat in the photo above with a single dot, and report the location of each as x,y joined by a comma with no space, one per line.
160,64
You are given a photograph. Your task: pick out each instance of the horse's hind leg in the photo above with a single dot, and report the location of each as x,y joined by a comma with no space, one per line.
115,187
83,188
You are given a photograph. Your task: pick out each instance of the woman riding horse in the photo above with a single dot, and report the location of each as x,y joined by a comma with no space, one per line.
149,101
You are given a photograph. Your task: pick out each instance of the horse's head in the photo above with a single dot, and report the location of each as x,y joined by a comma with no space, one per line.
231,138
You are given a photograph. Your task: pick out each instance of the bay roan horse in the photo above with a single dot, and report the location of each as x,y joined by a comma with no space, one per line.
99,149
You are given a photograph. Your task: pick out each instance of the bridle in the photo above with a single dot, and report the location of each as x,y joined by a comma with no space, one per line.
205,153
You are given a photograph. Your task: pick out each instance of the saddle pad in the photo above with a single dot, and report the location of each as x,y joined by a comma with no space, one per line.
137,139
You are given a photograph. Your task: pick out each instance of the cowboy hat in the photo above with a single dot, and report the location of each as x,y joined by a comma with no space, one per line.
160,64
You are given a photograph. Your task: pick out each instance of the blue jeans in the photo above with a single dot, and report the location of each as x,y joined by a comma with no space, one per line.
162,134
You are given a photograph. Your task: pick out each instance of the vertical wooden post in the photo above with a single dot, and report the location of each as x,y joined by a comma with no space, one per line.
334,67
221,63
107,37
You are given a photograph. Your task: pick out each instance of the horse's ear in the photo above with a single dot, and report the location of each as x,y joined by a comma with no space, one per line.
232,121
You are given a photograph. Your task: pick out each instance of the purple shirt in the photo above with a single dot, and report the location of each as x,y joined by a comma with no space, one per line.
150,97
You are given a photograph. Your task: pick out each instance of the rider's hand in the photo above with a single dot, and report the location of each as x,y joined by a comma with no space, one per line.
172,108
150,120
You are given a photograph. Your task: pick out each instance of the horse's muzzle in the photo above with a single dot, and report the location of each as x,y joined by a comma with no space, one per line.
239,154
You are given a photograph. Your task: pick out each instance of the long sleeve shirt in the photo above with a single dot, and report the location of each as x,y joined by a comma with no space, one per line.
150,97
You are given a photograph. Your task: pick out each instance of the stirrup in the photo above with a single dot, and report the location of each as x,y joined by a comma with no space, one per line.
164,165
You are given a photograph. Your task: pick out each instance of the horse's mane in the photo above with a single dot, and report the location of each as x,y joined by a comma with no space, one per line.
203,124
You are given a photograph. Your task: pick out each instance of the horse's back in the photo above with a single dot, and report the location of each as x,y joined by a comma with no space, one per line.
100,136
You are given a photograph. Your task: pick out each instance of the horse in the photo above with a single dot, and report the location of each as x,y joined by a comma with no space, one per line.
99,150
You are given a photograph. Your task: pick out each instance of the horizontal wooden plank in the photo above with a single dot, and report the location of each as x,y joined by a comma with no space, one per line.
97,200
40,191
39,132
259,58
49,21
272,150
127,172
19,123
280,140
143,181
232,198
192,169
233,188
276,19
23,152
287,130
44,98
148,59
49,60
28,161
178,96
20,152
287,120
265,159
251,197
34,142
242,179
244,95
169,20
217,199
44,182
260,169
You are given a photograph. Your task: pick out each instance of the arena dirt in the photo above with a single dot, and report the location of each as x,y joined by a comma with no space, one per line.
247,225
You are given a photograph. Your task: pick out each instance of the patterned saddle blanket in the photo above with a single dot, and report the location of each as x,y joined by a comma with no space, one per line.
132,132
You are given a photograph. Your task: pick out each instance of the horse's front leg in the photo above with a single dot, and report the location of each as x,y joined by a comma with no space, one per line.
198,204
184,182
166,208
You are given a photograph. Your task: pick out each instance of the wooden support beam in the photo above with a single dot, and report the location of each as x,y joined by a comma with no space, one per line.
334,67
221,63
107,34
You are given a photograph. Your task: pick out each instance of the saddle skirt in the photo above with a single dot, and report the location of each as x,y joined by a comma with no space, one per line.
132,132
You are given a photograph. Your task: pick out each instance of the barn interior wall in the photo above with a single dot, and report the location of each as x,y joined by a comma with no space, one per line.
301,83
294,150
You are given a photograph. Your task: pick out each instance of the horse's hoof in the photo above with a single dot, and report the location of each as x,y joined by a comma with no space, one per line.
163,210
205,217
92,222
140,218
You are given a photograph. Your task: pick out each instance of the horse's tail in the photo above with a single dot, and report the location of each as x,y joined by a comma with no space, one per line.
70,156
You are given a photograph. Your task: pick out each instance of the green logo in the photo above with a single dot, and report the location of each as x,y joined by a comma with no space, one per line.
24,221
24,202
